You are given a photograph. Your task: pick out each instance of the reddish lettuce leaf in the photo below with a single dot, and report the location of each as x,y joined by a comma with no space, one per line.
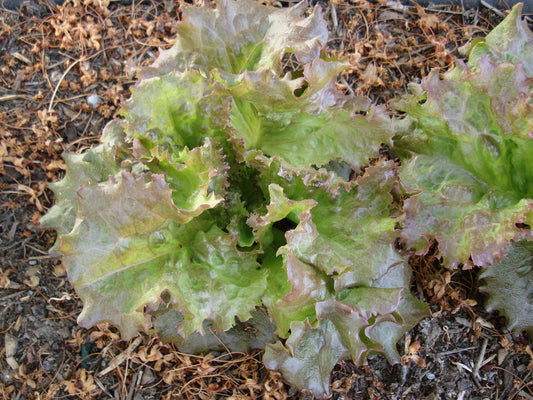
466,153
94,166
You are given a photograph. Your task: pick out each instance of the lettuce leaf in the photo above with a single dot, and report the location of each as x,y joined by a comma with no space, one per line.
354,323
466,152
509,284
348,281
93,166
511,40
130,243
241,338
242,35
304,120
172,111
308,356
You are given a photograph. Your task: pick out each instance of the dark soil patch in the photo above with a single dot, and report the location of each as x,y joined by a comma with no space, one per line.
52,58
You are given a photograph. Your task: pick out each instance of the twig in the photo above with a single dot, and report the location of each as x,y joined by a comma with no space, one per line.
101,386
479,361
9,296
134,383
46,255
38,258
115,362
524,394
492,8
461,365
345,83
524,385
219,340
447,353
51,105
9,97
8,328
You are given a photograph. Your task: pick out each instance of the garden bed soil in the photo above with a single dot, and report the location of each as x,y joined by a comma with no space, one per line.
65,70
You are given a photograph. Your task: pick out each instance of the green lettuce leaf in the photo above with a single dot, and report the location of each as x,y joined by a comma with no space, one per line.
309,356
305,121
344,226
346,276
511,40
242,35
466,150
172,111
351,235
131,243
197,177
509,284
308,287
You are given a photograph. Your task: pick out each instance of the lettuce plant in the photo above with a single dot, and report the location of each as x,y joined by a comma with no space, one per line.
226,187
509,281
466,147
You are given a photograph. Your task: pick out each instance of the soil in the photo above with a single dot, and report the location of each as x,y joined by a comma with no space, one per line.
52,59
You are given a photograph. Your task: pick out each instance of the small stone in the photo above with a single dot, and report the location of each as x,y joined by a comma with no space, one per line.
93,100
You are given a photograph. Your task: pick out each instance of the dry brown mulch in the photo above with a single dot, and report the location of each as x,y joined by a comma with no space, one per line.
52,60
